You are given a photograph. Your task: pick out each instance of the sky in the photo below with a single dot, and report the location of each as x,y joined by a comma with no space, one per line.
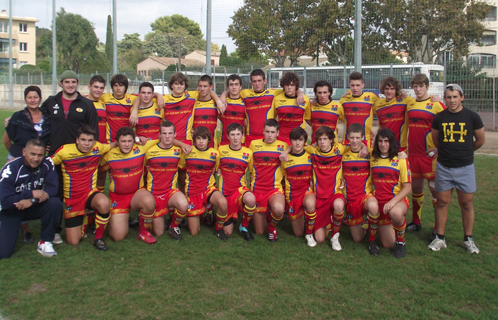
133,15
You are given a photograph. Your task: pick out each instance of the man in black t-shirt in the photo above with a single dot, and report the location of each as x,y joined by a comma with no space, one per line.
457,132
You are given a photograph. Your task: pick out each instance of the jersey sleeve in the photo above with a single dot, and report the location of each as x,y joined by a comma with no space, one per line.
57,157
404,172
307,109
104,163
217,161
182,163
194,94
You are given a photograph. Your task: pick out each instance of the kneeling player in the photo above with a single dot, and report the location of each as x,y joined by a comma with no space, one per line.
392,182
357,182
299,194
162,162
79,163
200,187
234,161
126,189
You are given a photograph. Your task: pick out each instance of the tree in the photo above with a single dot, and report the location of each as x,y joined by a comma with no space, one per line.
108,39
130,51
158,45
169,24
223,56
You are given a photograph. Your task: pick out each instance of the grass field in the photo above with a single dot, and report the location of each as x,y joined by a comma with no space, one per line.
202,277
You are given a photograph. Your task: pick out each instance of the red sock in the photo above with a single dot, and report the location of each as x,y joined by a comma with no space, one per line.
337,219
220,220
274,220
145,221
400,231
373,220
248,213
101,221
310,221
178,217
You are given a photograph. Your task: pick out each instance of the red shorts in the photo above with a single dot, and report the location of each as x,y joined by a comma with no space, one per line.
324,209
120,203
76,206
295,206
251,138
162,203
197,202
356,209
262,200
384,219
235,203
423,167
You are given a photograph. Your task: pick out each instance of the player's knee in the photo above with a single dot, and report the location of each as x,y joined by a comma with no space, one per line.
465,204
250,200
183,205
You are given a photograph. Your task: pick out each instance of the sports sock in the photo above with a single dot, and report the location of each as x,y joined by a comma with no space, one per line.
310,221
373,220
465,238
274,220
248,213
101,188
220,220
87,220
441,236
145,220
417,201
101,221
178,217
400,231
337,219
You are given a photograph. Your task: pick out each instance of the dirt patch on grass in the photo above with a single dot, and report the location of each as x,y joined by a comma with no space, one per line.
36,287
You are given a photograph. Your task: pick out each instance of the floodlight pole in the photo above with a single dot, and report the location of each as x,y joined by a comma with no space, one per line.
11,83
208,38
357,35
114,39
54,51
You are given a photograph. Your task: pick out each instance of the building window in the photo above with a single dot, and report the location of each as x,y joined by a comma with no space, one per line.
488,38
23,27
491,15
4,26
481,60
23,47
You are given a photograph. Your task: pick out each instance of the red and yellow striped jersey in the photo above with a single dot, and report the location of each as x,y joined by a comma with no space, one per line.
233,167
118,113
420,115
266,172
356,173
258,109
290,115
326,115
149,120
359,110
179,110
298,173
206,115
162,164
389,176
199,165
235,112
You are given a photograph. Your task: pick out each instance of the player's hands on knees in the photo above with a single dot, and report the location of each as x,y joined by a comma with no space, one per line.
23,204
40,195
388,206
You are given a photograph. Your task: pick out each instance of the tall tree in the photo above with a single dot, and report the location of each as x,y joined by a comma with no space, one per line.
130,52
168,24
108,39
76,40
159,45
223,56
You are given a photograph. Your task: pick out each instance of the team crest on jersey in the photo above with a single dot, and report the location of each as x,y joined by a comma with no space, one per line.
245,156
334,109
399,100
429,106
280,148
212,156
128,100
136,150
177,152
157,111
95,150
302,104
336,150
394,162
267,91
367,98
367,157
309,159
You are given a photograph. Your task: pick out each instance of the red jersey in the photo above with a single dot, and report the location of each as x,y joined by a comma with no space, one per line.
102,118
298,175
199,165
266,172
149,120
359,110
356,173
326,115
162,173
206,115
290,115
118,113
392,115
258,109
179,110
234,113
420,115
389,176
233,167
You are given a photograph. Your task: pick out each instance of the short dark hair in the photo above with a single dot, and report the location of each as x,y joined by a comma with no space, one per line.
36,142
298,133
323,83
120,79
30,89
288,78
97,78
393,144
234,77
324,130
125,131
167,124
147,85
235,126
420,79
391,82
356,127
202,132
178,77
207,79
272,123
257,72
86,129
356,76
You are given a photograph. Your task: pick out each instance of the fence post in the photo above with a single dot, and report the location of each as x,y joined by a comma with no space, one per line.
494,103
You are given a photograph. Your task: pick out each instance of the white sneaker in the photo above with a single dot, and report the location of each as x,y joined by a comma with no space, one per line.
310,239
57,239
470,246
334,241
46,249
437,244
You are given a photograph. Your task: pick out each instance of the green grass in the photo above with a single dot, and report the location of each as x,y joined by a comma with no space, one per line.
202,277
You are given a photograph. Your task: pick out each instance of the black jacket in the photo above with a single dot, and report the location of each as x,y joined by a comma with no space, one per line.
20,130
63,129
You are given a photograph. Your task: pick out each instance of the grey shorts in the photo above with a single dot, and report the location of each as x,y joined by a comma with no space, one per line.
463,178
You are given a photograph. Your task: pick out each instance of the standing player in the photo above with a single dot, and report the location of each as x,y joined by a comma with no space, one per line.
392,182
290,114
358,105
357,183
149,114
235,111
266,180
162,162
457,133
422,153
79,163
299,193
234,161
126,189
325,112
200,187
205,111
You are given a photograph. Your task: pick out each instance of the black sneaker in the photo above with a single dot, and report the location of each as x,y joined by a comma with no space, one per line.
399,250
28,237
246,233
433,235
183,224
413,227
175,233
373,248
133,223
221,234
100,244
207,219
